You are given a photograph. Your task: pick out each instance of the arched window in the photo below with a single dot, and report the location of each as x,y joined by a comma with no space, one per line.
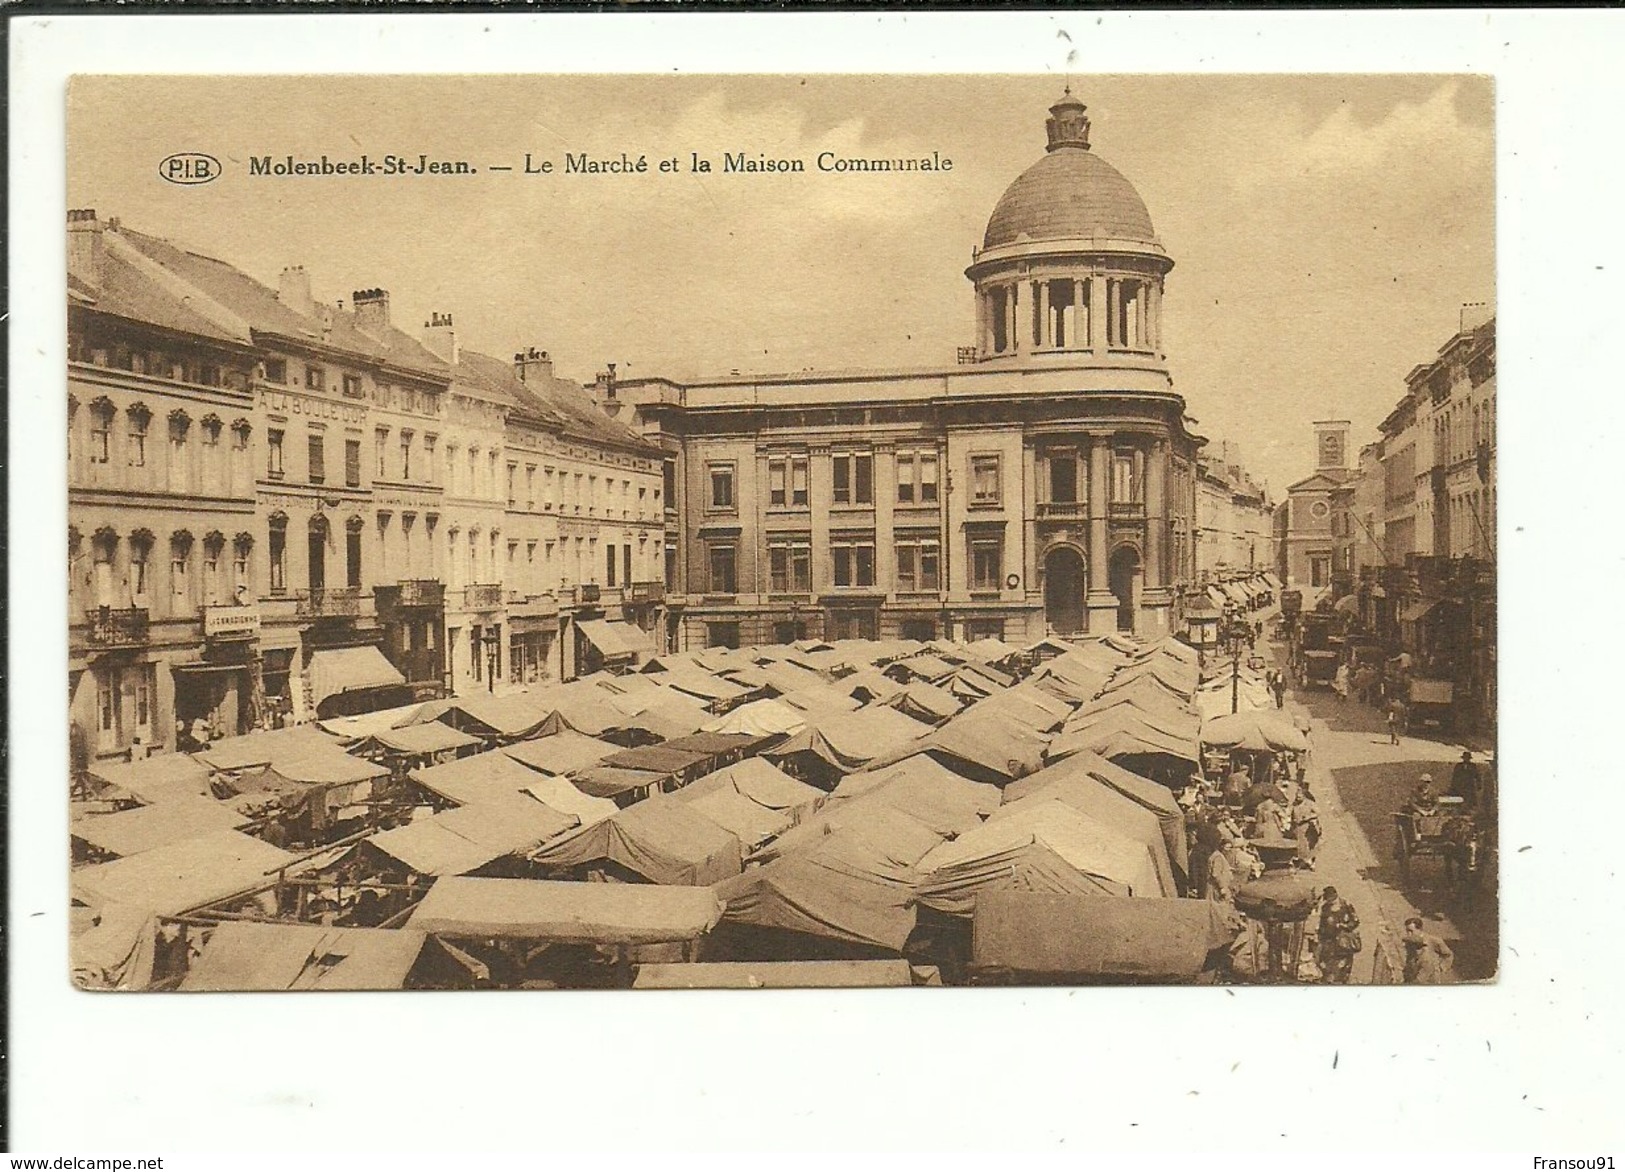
101,430
242,549
139,417
180,571
180,453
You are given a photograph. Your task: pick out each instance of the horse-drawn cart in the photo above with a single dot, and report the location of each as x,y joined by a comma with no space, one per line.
1450,834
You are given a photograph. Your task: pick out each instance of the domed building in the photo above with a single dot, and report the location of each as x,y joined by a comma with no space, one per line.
1043,483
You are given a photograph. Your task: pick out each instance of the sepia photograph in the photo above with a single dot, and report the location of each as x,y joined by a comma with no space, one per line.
636,532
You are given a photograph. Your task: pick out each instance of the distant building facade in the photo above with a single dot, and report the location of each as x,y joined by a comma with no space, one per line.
1047,482
1310,522
1234,517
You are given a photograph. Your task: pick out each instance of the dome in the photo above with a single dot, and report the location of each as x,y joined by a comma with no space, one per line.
1071,193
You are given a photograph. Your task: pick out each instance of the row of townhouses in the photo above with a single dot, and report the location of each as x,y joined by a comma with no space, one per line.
283,508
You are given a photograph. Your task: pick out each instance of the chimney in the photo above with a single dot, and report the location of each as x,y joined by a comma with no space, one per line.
85,247
533,363
371,308
293,290
440,339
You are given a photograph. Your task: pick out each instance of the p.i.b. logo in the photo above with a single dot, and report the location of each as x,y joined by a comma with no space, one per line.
189,168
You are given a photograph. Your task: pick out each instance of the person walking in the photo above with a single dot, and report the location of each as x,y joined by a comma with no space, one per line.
1339,938
1465,780
1393,723
1306,827
1428,959
1278,686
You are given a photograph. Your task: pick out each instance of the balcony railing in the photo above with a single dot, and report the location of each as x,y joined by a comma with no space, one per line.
588,592
1063,510
646,592
120,627
419,592
483,596
336,602
1126,510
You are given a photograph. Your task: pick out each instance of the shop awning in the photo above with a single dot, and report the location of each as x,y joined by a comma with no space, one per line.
349,669
179,876
130,832
262,957
1415,612
616,640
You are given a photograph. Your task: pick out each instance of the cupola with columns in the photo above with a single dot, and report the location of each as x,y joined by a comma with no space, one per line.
1070,266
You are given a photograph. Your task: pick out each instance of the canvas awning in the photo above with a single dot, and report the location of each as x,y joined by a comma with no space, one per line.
261,957
762,718
616,640
130,832
467,838
562,753
665,841
576,913
478,780
349,669
416,739
1097,937
179,876
603,781
162,777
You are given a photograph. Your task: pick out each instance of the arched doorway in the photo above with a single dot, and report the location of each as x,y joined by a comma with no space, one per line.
1125,584
1064,585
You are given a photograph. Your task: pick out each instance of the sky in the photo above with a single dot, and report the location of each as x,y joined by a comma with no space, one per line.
1326,230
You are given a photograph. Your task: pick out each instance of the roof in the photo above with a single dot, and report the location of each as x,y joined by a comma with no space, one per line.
180,876
266,748
1069,194
129,832
260,307
432,737
129,289
557,402
585,913
780,974
762,718
262,957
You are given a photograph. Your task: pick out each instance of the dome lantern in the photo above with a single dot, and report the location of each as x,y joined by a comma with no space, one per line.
1068,124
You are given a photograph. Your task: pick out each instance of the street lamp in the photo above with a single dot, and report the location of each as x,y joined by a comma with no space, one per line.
1234,638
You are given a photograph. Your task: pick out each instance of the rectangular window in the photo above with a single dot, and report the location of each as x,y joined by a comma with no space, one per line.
352,463
530,486
986,560
798,481
429,465
985,488
352,386
317,446
918,560
668,480
513,477
380,445
315,378
724,579
239,566
609,565
352,557
1125,484
854,478
211,574
722,486
778,483
276,370
789,564
722,635
177,577
406,455
143,695
626,563
928,478
1063,479
273,453
854,561
905,478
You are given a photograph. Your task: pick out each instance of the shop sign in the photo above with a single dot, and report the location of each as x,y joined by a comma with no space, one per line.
231,622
